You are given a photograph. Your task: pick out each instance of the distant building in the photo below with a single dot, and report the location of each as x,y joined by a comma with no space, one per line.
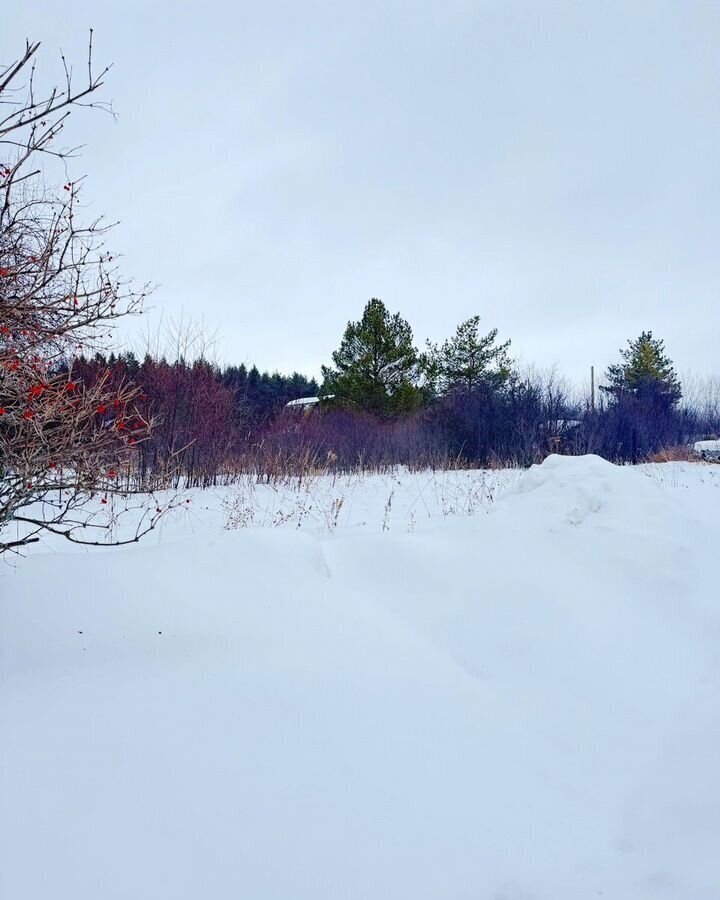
304,403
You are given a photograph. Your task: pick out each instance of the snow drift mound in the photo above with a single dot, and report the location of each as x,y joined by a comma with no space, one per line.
573,489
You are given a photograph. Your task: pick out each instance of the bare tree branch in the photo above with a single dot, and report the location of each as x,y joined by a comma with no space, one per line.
60,294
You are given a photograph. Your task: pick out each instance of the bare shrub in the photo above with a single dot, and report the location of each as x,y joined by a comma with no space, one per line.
679,453
60,293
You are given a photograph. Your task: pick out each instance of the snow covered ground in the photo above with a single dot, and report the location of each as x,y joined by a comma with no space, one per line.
497,686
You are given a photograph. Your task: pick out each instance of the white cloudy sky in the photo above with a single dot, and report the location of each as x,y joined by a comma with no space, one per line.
553,166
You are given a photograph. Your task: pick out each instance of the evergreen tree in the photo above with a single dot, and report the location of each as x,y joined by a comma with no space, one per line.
260,396
235,379
376,365
298,385
131,363
645,373
467,360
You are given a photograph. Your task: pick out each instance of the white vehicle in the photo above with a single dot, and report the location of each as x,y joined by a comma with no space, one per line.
709,450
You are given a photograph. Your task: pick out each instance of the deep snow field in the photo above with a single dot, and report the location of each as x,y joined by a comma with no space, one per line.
449,686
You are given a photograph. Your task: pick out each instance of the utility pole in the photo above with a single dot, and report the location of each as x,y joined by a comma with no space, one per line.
592,388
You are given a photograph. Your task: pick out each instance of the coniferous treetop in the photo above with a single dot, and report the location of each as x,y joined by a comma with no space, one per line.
468,359
376,365
645,372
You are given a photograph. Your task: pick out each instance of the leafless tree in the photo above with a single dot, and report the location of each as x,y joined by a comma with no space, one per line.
60,295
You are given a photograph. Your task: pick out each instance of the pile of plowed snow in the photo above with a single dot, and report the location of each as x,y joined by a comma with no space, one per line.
572,489
522,704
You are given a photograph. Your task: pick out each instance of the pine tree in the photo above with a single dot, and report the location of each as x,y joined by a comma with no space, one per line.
645,373
467,360
376,366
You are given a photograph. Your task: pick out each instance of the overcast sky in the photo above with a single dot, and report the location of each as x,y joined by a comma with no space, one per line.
551,166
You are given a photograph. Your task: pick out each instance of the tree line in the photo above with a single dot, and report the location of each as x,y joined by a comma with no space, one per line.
460,402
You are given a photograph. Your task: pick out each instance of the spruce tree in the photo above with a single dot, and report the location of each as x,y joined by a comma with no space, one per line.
645,373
